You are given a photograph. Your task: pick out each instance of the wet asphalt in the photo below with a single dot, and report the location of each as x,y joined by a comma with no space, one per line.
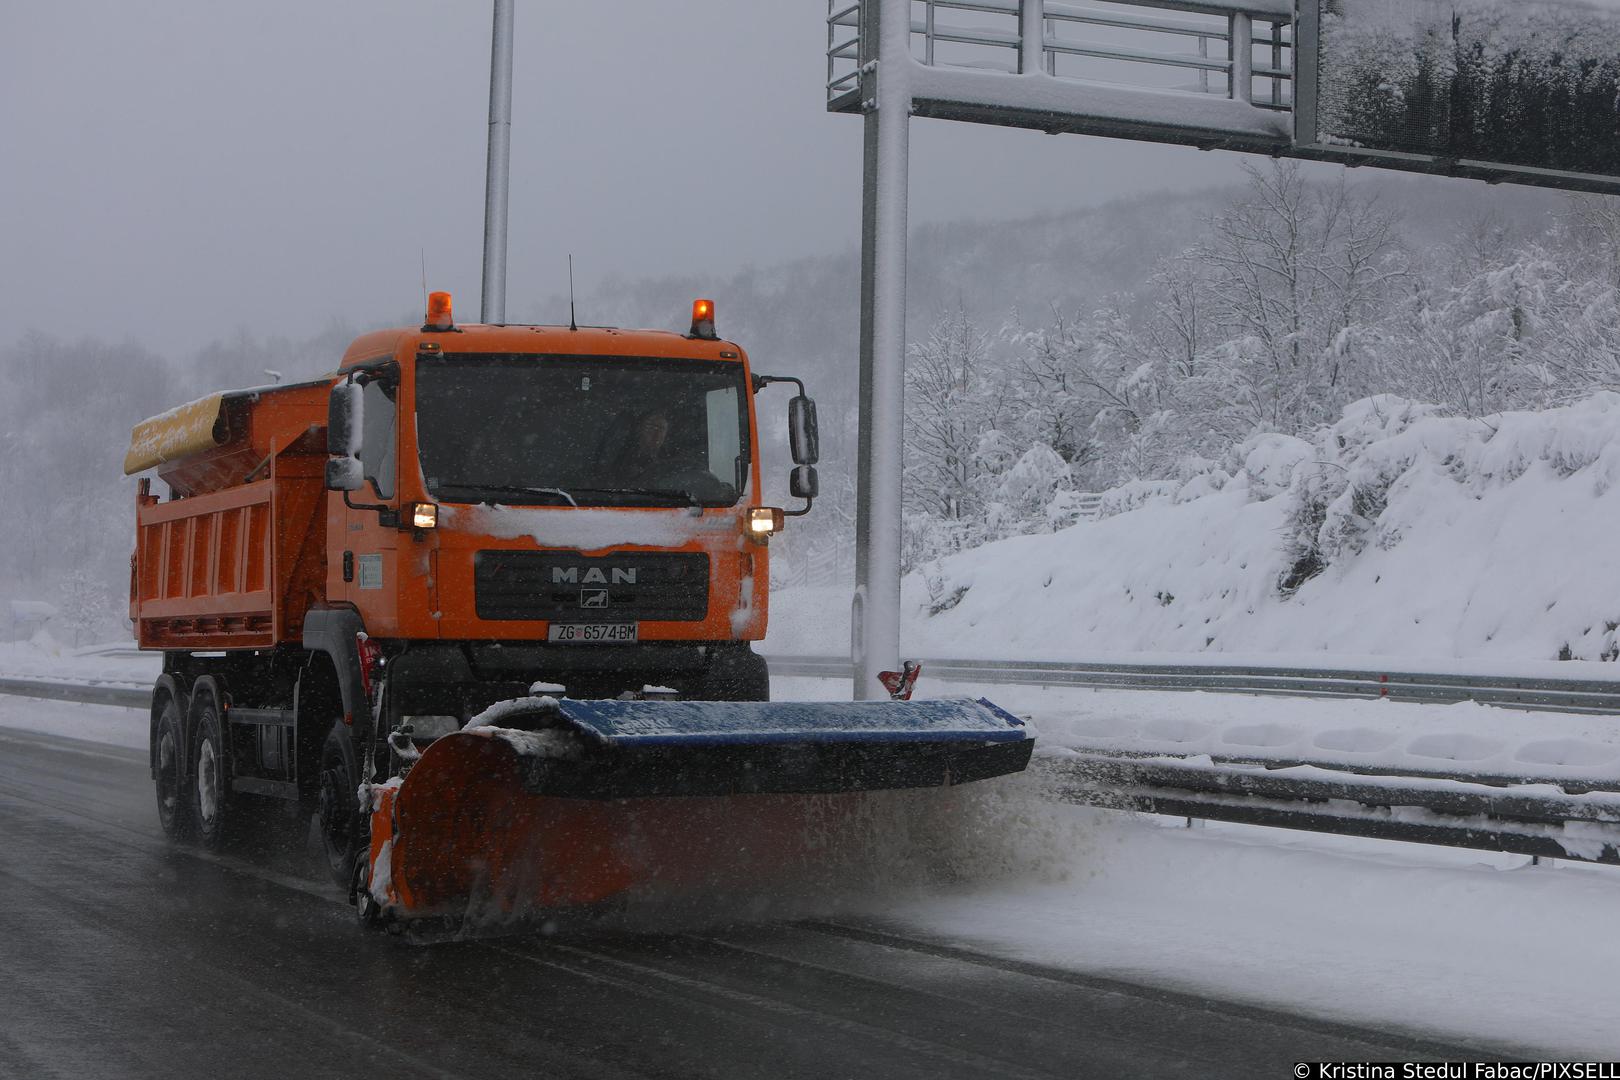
122,955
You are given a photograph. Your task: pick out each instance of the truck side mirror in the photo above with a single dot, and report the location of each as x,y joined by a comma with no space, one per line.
803,484
343,419
343,469
344,474
803,437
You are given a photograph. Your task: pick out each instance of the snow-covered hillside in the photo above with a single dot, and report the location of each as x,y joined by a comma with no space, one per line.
1398,533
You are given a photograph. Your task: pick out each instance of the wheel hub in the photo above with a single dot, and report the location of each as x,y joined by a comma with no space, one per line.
207,782
166,768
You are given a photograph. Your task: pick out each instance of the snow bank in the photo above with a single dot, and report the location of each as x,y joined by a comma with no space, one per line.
1466,738
106,724
1397,532
43,658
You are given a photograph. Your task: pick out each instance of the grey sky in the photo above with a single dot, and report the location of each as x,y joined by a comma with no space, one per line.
175,171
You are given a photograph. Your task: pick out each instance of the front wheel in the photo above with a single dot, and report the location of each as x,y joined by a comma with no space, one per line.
337,813
735,674
367,911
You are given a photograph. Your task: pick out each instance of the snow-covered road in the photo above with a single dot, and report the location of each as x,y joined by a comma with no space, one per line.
1399,938
114,937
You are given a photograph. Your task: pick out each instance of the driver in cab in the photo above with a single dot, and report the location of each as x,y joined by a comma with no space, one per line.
646,460
658,458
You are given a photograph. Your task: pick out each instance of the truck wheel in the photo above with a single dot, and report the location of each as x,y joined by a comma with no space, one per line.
367,911
735,675
168,761
210,803
338,810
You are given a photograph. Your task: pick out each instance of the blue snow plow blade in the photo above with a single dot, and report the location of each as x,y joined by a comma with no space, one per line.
650,748
690,723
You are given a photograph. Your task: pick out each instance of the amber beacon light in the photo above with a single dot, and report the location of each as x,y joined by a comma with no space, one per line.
703,319
438,312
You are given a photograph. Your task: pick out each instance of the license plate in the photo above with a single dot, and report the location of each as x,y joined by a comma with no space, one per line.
592,632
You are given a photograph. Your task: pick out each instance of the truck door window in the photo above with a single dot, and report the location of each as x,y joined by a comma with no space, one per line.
725,436
377,436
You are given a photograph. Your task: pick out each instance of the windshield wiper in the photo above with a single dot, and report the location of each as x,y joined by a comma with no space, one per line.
506,489
686,498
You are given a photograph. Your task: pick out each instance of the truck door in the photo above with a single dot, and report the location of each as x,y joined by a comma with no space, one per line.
370,549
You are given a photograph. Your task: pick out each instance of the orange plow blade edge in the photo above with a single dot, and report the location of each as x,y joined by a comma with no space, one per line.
547,806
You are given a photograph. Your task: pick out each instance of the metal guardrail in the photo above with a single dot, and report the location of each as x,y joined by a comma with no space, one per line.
113,652
1540,815
1554,695
1565,820
1537,815
130,697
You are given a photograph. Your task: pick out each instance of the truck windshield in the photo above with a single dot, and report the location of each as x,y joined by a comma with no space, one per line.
572,431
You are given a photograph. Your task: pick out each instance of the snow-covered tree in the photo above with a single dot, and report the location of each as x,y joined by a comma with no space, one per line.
1292,270
951,403
86,607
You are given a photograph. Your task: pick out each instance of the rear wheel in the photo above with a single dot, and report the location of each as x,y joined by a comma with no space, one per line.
337,813
210,802
168,759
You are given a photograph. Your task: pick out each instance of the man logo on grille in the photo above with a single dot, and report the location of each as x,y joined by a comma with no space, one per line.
569,575
593,598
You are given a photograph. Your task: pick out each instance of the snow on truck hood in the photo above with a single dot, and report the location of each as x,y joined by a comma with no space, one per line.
593,528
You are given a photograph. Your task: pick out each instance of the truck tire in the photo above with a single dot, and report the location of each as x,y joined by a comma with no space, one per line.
168,772
210,804
735,674
337,810
367,911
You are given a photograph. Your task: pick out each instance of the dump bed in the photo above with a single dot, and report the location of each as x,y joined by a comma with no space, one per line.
236,555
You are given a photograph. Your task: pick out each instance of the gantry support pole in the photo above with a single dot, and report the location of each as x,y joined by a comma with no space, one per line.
886,98
498,170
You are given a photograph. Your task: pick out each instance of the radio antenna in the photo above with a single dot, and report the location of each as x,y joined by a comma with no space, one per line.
423,252
572,325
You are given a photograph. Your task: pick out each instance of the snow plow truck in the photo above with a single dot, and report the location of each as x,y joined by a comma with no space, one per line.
481,603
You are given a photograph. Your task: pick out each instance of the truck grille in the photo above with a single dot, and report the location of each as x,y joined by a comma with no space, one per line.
561,586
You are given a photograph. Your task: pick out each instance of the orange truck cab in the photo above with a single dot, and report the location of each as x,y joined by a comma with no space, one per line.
457,514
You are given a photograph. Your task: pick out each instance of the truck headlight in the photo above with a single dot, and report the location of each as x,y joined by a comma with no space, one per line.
424,516
765,520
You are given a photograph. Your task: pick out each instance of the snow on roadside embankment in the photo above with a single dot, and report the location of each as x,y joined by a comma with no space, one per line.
42,658
1396,533
105,724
